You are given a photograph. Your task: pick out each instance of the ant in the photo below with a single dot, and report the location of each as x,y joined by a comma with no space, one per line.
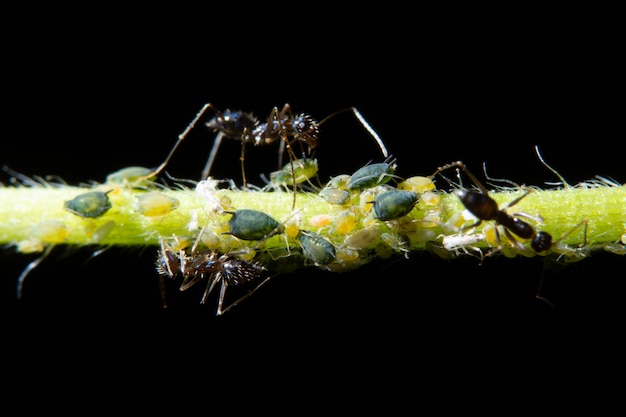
226,269
485,208
281,125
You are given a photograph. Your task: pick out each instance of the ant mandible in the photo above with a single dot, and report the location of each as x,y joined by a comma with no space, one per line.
485,208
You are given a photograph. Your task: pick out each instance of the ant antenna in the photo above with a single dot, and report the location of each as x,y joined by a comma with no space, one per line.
364,123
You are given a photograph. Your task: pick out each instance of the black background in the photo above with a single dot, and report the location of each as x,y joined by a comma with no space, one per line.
83,103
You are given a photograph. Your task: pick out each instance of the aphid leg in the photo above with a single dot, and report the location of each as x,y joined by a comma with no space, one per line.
29,268
181,137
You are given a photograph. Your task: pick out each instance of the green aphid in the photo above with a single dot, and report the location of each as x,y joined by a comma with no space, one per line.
372,175
92,204
248,224
316,249
392,205
133,176
304,169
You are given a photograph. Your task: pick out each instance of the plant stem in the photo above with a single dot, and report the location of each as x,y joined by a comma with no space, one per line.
34,217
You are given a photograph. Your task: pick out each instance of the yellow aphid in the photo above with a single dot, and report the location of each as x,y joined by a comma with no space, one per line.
156,204
344,223
490,235
320,220
430,198
50,231
30,245
363,238
417,184
365,201
102,231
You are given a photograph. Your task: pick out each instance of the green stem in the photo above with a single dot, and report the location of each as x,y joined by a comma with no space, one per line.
33,218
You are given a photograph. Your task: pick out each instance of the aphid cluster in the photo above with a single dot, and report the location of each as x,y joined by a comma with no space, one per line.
373,215
370,213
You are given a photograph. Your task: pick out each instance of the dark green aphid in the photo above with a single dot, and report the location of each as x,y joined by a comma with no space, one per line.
315,248
91,204
394,204
372,175
248,224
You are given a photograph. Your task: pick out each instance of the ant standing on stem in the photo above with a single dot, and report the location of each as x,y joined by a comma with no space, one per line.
282,125
485,208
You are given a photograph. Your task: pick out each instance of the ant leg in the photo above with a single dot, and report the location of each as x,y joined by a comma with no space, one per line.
181,137
243,169
275,115
365,124
212,155
243,297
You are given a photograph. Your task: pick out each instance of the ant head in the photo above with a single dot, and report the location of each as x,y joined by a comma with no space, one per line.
542,242
306,129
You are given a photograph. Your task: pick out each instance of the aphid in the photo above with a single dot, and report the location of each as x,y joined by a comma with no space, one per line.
248,224
457,243
316,249
92,204
335,196
334,192
156,204
485,208
303,170
394,204
133,176
44,236
372,175
417,184
363,238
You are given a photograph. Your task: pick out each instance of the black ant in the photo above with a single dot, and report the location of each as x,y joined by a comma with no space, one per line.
282,125
485,208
